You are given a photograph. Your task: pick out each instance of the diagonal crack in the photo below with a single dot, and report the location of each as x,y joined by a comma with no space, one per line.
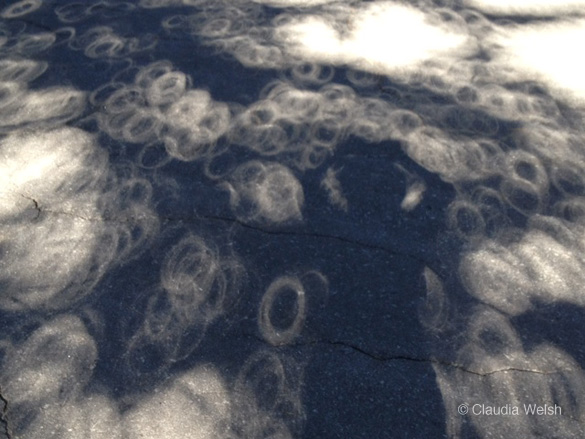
312,235
235,221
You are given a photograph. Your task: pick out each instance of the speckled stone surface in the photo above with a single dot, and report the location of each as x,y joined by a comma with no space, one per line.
291,219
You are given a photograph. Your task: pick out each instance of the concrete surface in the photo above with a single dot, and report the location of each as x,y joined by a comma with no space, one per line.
291,219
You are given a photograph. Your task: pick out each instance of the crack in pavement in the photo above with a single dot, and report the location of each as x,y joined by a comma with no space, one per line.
4,415
36,204
435,361
237,222
98,219
315,235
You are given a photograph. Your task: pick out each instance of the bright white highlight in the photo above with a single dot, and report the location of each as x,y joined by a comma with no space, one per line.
195,405
527,7
547,52
381,37
49,259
